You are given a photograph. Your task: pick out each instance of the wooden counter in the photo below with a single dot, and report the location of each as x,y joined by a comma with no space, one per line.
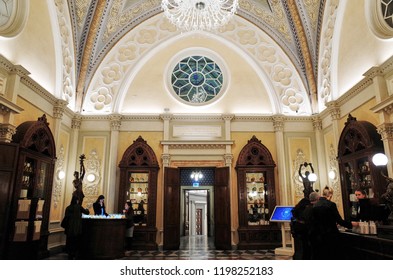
365,247
103,238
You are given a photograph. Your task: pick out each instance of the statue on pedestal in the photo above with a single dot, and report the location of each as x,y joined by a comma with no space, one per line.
78,179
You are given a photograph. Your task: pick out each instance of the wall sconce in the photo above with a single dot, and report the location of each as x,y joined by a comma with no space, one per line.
91,177
332,174
61,174
196,175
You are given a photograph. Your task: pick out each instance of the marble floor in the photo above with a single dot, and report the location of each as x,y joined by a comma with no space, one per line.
196,248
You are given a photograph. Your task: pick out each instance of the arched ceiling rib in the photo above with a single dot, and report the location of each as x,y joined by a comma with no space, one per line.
98,25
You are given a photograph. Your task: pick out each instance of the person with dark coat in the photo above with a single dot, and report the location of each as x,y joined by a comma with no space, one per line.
300,226
73,227
99,206
324,234
129,215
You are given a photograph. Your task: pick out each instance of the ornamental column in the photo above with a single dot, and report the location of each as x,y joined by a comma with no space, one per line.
112,181
322,170
284,186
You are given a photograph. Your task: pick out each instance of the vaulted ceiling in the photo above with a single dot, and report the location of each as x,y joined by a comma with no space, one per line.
99,25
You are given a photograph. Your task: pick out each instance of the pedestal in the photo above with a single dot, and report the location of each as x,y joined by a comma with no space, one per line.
286,249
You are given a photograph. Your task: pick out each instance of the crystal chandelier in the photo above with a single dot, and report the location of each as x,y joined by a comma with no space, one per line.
190,15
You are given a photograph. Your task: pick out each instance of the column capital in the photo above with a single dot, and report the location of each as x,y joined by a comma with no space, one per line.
227,117
386,131
115,120
334,110
59,108
76,122
6,132
228,159
166,116
166,159
278,123
317,123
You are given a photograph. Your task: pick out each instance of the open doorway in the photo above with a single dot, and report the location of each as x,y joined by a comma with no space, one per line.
196,218
215,219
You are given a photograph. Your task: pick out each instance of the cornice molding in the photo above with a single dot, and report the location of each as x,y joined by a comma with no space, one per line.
195,144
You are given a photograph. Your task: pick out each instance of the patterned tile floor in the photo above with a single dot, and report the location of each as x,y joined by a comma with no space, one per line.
196,248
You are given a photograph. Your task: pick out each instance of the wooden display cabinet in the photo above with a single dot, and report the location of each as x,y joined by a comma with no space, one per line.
257,199
138,184
28,190
359,142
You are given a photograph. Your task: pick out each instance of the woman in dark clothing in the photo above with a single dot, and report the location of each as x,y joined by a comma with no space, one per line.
324,232
129,214
99,206
73,227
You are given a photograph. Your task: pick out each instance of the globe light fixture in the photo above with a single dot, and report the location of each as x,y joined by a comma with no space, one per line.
60,174
196,175
91,177
380,159
332,174
193,15
312,177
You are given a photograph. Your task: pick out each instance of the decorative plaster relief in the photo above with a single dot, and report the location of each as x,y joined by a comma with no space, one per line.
58,185
121,61
325,79
90,188
298,184
3,83
68,78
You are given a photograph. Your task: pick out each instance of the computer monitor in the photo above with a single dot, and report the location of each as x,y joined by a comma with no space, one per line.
281,214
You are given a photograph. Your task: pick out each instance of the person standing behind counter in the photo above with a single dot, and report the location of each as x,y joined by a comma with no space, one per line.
129,214
99,206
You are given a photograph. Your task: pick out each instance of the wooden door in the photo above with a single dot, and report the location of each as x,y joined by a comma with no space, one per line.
171,208
222,209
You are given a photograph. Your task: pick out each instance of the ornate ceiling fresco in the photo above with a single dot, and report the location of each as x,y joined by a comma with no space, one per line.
292,25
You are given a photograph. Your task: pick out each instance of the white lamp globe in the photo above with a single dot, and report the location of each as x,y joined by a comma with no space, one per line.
380,159
312,177
332,174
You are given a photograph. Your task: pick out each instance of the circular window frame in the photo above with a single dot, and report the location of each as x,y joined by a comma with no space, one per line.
376,21
190,53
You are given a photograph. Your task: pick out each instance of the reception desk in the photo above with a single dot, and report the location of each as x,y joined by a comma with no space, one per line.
103,238
365,247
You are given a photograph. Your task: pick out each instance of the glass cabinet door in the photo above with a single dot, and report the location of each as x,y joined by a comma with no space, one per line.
138,194
257,199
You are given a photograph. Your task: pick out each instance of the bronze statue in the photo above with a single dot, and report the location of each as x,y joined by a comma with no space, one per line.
307,184
78,179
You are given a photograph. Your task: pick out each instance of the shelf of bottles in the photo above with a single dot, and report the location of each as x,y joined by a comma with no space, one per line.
138,194
358,175
257,204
